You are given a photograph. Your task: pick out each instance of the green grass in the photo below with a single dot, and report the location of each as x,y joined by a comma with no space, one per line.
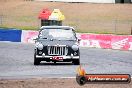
21,27
86,31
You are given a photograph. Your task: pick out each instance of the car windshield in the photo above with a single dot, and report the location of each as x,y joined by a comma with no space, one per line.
59,34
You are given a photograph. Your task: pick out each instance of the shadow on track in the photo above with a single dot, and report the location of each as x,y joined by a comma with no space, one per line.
55,64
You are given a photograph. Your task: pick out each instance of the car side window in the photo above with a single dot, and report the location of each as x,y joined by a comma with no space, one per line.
43,33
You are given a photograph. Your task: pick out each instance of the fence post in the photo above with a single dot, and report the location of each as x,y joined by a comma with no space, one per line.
131,30
115,26
1,19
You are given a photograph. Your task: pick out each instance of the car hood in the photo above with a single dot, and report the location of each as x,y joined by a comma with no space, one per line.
57,42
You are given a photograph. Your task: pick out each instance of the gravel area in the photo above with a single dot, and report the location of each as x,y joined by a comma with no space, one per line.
55,83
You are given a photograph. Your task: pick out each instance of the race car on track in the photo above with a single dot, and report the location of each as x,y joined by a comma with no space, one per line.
57,44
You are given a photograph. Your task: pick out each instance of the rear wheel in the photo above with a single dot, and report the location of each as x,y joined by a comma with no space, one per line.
76,62
36,60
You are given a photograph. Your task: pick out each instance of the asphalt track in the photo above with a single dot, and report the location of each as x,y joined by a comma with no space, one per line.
16,61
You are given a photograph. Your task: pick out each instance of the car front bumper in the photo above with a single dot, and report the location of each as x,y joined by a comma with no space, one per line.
64,57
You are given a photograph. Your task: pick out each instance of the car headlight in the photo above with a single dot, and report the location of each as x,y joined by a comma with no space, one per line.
39,46
75,47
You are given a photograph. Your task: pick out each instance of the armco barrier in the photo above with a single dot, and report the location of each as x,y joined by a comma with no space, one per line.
107,41
12,35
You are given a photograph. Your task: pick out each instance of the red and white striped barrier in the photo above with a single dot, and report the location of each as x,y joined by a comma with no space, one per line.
107,41
122,42
28,36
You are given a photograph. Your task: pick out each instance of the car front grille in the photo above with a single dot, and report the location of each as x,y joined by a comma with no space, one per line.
57,50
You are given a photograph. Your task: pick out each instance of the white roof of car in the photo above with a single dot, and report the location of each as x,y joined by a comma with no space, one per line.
56,27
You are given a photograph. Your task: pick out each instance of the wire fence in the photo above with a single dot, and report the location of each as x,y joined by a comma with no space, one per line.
104,26
114,26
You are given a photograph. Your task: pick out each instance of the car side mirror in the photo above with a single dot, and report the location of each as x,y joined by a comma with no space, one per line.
79,39
35,39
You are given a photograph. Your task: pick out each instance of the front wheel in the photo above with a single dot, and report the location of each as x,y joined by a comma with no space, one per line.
36,60
76,62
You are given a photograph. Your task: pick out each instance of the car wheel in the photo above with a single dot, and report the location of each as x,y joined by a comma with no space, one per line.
36,60
76,62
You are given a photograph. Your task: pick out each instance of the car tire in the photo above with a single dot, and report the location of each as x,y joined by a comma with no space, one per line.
76,62
36,60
